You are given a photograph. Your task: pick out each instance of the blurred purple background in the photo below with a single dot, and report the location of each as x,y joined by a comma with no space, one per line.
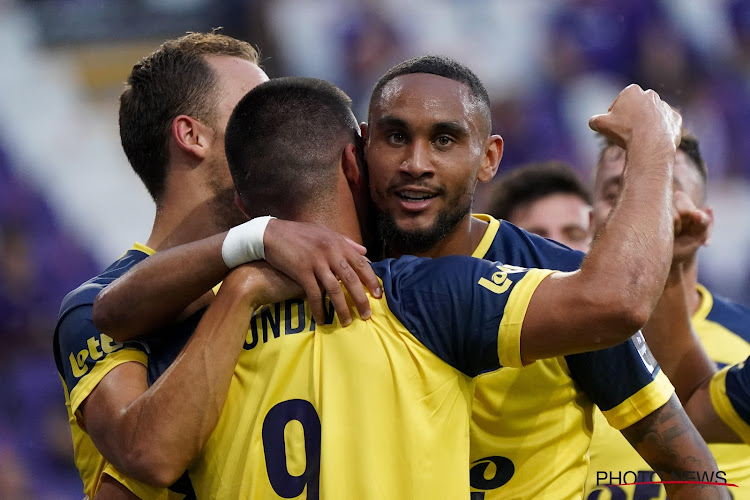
69,204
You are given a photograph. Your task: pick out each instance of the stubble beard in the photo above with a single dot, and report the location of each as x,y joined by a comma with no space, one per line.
421,241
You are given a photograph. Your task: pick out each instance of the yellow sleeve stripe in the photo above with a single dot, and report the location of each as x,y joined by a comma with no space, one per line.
641,404
723,406
509,333
141,490
89,381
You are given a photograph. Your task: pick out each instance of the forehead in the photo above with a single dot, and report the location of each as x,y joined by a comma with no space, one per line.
686,174
422,97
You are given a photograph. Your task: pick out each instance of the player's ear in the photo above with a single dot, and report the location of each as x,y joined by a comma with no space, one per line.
350,165
493,152
238,202
364,130
192,136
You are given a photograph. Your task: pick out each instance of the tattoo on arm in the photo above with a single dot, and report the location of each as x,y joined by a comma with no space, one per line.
669,442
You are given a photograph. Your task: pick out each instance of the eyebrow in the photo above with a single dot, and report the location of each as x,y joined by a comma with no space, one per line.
390,121
450,127
453,128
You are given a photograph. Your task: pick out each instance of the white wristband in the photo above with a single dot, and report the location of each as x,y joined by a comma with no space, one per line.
244,243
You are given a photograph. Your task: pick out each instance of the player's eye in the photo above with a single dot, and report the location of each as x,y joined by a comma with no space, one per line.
443,141
576,234
396,138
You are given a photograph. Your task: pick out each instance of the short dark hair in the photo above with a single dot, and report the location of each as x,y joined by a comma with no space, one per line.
283,143
174,80
440,66
531,182
688,145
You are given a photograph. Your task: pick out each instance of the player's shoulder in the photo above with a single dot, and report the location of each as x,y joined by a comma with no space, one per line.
86,293
731,315
427,271
513,245
75,331
74,321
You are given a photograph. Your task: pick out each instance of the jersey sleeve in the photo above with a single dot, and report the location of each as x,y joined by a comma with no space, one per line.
468,311
624,381
730,396
86,355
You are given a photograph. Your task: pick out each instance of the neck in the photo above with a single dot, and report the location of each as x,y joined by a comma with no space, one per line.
187,215
462,240
341,220
690,280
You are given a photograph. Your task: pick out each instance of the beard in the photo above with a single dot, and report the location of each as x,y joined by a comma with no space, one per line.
420,241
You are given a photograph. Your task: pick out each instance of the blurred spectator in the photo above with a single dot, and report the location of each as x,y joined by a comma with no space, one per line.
547,199
532,129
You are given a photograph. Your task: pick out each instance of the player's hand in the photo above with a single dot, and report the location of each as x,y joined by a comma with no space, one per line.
317,258
691,227
260,283
638,112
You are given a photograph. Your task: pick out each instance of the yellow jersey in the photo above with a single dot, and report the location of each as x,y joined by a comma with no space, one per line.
377,410
723,328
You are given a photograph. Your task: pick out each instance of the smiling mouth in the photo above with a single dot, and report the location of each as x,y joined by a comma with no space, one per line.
415,195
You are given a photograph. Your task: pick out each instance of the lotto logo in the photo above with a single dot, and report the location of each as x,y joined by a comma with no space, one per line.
499,282
97,348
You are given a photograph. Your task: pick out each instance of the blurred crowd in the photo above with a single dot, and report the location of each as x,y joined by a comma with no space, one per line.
39,264
696,55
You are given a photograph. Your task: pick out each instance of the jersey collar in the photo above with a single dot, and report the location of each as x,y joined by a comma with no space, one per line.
707,303
143,248
489,235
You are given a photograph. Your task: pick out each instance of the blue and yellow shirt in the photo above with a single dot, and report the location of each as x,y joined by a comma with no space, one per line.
531,427
377,410
84,355
730,395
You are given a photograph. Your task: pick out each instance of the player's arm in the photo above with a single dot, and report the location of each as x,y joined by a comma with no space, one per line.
153,433
669,331
622,277
160,288
86,357
669,442
673,341
635,396
702,412
720,408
